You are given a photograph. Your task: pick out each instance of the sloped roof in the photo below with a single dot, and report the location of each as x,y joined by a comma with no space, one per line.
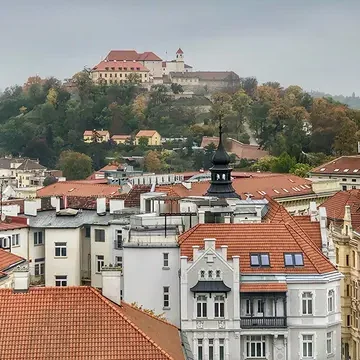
242,151
120,137
179,51
8,259
74,188
99,132
29,164
346,165
263,287
80,323
275,239
131,55
146,133
133,197
273,185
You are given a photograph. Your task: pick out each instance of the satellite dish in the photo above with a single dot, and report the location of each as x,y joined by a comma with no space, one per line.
3,217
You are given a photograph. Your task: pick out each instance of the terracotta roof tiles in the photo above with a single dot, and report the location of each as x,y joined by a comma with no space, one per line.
117,65
346,165
263,287
79,323
8,259
146,133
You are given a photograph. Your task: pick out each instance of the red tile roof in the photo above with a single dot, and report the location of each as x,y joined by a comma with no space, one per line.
131,55
12,223
79,323
242,151
99,132
146,133
121,137
73,188
120,66
275,239
273,185
8,259
133,197
179,51
335,206
263,287
346,165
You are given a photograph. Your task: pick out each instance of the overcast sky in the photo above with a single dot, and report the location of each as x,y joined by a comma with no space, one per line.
312,43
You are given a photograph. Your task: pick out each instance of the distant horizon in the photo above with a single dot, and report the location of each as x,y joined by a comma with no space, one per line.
298,42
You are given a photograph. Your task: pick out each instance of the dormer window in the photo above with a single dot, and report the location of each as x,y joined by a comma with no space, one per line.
260,259
294,259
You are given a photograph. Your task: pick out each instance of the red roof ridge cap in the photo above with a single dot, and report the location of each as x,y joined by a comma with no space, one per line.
115,307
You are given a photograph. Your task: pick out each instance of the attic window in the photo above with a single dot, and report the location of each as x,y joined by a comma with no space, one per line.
346,170
294,259
302,186
72,189
322,169
308,186
336,170
286,190
355,170
275,191
261,259
292,180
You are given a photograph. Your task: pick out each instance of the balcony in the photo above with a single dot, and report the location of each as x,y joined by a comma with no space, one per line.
263,322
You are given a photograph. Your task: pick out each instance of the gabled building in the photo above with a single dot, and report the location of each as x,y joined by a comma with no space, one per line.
152,136
8,262
96,136
82,323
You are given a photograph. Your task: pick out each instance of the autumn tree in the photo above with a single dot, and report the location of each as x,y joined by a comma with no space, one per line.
134,78
152,162
241,103
346,139
75,166
221,106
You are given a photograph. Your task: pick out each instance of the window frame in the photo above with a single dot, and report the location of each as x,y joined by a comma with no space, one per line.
306,298
166,261
200,352
166,297
201,299
252,343
331,300
39,240
329,342
119,238
17,238
307,344
221,349
260,257
60,280
293,259
99,231
211,349
39,268
100,260
219,307
60,246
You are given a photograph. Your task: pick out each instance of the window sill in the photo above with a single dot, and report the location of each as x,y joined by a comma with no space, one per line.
166,268
60,257
15,246
166,308
39,244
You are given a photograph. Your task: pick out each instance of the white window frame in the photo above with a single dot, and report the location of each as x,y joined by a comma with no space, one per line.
5,242
61,246
201,300
166,261
60,280
305,299
219,311
119,238
99,231
200,349
100,263
37,238
39,268
119,261
221,349
329,343
15,240
252,343
166,297
331,301
305,354
260,304
211,349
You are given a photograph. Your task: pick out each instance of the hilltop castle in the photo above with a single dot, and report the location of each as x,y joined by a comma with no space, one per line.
149,69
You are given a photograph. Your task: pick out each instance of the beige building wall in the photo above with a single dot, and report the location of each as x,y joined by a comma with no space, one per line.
118,77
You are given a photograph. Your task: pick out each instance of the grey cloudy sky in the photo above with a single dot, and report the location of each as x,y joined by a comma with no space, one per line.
312,43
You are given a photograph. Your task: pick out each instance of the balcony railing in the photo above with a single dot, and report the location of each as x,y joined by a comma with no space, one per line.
263,322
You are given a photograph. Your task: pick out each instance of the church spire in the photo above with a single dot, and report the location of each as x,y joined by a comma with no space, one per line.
221,183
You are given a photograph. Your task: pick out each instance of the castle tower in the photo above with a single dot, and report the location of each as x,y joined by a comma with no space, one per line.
221,183
180,64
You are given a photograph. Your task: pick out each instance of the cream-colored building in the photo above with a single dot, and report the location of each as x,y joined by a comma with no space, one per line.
344,230
153,137
118,72
96,135
8,262
176,65
121,139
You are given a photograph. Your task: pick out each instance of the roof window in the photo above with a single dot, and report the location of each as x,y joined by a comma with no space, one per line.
322,169
355,170
72,189
275,191
286,190
293,259
308,186
346,170
292,180
260,259
336,170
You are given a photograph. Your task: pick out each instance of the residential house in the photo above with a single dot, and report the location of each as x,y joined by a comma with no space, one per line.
152,136
82,323
8,262
344,231
246,296
121,139
118,72
344,169
96,136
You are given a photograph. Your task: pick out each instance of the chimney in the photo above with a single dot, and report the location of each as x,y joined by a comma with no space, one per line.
209,243
224,251
187,185
55,202
111,283
195,251
258,209
21,279
30,207
101,206
116,205
227,219
313,211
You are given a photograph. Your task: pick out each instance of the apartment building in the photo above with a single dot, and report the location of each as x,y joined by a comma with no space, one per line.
8,263
344,230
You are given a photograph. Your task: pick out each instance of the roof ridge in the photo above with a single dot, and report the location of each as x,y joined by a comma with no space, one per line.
184,236
115,308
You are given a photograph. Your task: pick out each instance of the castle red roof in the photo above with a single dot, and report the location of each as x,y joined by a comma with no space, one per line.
118,65
131,55
346,165
179,51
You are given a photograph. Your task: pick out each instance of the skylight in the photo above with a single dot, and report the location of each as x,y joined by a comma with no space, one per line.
336,170
72,189
293,259
261,259
302,186
275,191
292,180
346,170
286,190
322,169
355,170
308,186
